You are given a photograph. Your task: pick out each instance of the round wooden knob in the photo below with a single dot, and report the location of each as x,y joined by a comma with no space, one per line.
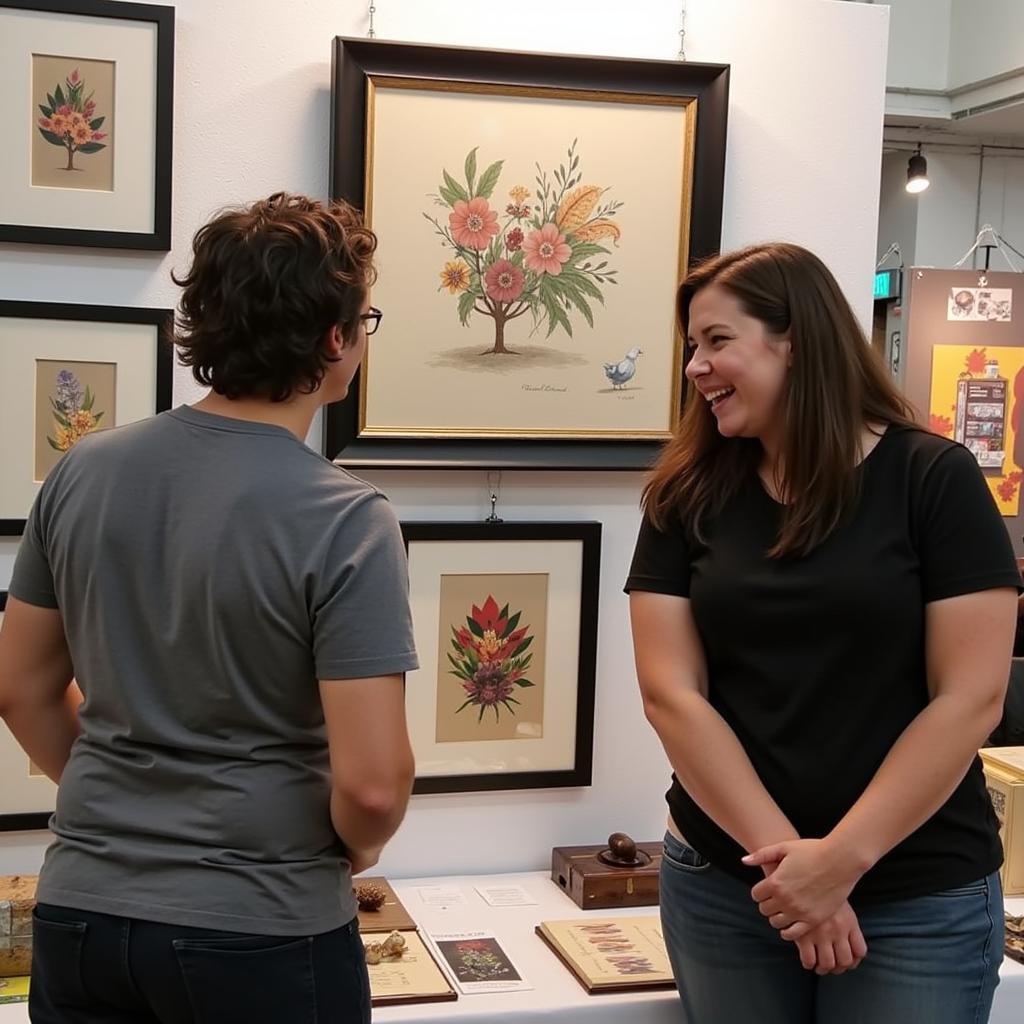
622,847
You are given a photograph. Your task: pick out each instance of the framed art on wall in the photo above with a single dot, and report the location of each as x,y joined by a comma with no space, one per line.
27,796
505,620
65,371
530,252
88,92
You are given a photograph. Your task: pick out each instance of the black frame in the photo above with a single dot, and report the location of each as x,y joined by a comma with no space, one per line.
355,60
589,534
160,318
159,239
32,821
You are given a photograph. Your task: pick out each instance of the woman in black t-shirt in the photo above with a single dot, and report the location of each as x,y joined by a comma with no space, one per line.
823,604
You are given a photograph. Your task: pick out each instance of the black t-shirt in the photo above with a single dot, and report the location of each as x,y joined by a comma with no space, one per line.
818,663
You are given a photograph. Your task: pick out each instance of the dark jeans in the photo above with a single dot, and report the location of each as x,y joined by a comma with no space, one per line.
89,968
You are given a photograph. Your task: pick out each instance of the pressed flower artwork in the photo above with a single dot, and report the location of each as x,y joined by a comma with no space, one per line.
490,677
72,399
535,245
72,123
547,255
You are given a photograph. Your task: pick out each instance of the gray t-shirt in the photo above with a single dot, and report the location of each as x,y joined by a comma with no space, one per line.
209,571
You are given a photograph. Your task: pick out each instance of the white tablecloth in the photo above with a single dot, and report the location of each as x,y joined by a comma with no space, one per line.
556,996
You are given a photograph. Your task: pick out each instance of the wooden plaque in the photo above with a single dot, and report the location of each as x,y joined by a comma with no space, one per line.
392,917
17,898
594,885
415,978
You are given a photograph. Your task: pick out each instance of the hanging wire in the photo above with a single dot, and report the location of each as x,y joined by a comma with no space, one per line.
998,243
370,32
682,31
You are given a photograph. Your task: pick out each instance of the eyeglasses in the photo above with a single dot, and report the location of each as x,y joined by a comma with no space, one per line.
371,320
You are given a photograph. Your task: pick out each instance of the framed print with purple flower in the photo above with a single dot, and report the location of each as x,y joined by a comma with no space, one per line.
87,88
536,214
27,796
66,371
505,619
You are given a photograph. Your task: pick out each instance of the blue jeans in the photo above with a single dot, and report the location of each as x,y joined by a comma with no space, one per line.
90,968
931,960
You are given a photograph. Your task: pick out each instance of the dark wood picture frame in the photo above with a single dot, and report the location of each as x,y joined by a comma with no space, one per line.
159,238
588,535
159,318
356,61
22,822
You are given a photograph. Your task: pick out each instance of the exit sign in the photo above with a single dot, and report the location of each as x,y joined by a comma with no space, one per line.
887,284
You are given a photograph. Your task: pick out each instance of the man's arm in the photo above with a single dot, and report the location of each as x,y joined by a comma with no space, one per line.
372,765
38,696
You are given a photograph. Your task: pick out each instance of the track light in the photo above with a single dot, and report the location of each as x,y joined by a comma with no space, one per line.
917,172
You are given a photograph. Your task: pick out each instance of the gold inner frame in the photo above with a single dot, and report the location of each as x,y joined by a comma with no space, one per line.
688,105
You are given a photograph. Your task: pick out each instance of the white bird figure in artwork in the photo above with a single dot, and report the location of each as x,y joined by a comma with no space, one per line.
620,373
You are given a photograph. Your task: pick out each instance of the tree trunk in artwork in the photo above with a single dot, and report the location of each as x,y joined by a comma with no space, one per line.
71,157
499,335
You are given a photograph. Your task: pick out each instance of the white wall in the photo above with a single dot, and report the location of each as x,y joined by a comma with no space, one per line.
252,100
919,43
897,213
986,39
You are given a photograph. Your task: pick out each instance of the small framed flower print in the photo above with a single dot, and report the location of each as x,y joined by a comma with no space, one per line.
65,371
505,619
531,250
88,89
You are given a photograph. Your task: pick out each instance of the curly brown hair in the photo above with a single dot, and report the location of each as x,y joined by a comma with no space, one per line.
267,283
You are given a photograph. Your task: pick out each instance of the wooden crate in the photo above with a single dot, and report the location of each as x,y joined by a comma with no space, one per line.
17,898
1004,777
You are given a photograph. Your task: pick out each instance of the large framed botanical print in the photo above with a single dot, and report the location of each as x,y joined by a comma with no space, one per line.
65,371
505,620
27,796
535,214
88,102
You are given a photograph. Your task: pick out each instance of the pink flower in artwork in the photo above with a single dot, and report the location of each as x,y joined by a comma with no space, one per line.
74,77
96,136
90,108
60,123
46,124
81,133
504,281
514,240
545,250
64,109
473,224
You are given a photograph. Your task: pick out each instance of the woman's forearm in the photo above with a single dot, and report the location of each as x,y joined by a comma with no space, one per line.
916,778
715,771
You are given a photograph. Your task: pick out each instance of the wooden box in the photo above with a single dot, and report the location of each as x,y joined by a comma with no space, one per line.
1004,777
17,898
594,884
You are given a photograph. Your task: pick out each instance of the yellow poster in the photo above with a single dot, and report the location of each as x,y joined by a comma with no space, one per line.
977,398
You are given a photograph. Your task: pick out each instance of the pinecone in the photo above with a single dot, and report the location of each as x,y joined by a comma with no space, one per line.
370,896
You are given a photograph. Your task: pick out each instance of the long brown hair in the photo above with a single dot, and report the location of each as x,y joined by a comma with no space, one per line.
835,385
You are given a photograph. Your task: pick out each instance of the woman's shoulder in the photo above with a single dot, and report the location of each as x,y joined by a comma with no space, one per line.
920,448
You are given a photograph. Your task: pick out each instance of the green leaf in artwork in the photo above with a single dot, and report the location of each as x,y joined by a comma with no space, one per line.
455,188
59,98
583,249
464,704
466,301
94,124
47,111
524,683
88,400
582,283
53,140
447,195
51,101
503,612
512,623
471,169
489,179
92,147
475,628
53,444
480,717
97,418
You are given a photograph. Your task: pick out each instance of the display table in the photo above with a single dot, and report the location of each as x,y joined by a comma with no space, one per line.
556,996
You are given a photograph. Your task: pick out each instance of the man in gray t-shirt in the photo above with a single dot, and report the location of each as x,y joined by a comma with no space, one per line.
234,609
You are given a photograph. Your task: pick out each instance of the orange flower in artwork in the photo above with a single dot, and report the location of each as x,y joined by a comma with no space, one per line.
1008,487
975,362
940,425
